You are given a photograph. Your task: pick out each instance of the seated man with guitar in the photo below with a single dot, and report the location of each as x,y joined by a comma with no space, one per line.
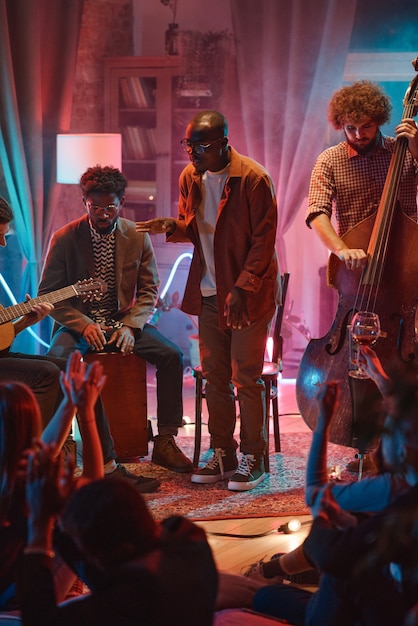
39,373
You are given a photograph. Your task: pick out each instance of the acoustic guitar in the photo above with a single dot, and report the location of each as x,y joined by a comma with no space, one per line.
88,289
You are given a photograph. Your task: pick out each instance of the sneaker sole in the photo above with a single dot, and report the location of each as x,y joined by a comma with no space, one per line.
205,479
245,486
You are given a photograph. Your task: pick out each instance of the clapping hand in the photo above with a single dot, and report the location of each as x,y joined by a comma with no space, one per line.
48,484
82,382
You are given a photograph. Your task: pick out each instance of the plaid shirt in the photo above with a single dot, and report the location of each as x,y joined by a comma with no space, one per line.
352,185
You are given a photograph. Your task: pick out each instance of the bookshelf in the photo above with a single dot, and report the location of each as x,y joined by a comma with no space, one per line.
147,102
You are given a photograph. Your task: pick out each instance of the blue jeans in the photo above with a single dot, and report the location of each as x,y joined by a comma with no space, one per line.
338,601
300,607
284,602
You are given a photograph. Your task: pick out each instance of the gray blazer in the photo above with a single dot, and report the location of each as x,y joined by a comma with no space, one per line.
70,258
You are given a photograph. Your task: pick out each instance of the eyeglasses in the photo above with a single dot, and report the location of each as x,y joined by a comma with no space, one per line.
200,148
109,208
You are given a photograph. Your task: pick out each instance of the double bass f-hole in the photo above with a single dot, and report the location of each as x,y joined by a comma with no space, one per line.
342,335
400,339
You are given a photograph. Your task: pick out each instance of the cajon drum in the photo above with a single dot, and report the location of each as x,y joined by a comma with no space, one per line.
124,398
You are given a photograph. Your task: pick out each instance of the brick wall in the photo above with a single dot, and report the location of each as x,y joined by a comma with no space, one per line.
107,30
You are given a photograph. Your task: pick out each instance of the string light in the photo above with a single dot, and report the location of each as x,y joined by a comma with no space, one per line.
292,526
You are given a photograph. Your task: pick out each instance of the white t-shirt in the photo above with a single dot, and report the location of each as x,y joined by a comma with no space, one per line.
212,187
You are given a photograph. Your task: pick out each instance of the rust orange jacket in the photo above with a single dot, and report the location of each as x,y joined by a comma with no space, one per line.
244,239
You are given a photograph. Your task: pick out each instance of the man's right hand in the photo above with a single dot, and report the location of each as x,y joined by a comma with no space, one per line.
354,258
95,337
158,226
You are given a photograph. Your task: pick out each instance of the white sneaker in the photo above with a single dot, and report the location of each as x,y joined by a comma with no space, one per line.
222,464
249,474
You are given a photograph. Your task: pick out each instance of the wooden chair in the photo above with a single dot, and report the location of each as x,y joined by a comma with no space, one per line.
124,399
270,376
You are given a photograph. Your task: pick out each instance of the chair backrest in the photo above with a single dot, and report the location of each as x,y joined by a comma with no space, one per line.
277,329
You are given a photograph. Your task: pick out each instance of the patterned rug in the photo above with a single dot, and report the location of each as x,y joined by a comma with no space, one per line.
280,494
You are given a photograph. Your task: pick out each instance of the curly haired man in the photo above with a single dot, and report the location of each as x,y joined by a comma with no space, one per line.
349,178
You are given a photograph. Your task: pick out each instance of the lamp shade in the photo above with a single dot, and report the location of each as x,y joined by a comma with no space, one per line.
77,152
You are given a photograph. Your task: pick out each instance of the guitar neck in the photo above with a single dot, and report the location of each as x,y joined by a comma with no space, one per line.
17,310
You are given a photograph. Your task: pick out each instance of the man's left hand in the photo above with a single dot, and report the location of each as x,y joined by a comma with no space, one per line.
38,311
124,339
235,309
409,129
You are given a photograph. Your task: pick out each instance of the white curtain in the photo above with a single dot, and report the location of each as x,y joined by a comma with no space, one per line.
291,56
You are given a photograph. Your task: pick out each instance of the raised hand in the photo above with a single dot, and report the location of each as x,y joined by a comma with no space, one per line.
371,364
48,484
327,398
43,474
82,382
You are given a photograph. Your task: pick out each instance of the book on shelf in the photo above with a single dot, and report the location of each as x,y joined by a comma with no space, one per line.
130,147
136,94
127,95
138,143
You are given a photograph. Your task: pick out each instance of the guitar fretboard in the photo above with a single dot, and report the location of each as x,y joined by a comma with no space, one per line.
17,310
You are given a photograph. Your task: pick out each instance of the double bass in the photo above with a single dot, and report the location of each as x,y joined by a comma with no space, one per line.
388,286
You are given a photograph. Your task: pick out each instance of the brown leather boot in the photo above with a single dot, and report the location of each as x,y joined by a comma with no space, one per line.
167,454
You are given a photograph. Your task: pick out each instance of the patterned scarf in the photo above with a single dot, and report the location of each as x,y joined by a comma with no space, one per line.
104,250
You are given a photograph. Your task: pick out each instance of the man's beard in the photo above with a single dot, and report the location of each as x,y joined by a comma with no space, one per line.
364,148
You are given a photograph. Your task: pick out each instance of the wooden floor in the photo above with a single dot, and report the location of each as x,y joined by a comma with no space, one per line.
233,554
